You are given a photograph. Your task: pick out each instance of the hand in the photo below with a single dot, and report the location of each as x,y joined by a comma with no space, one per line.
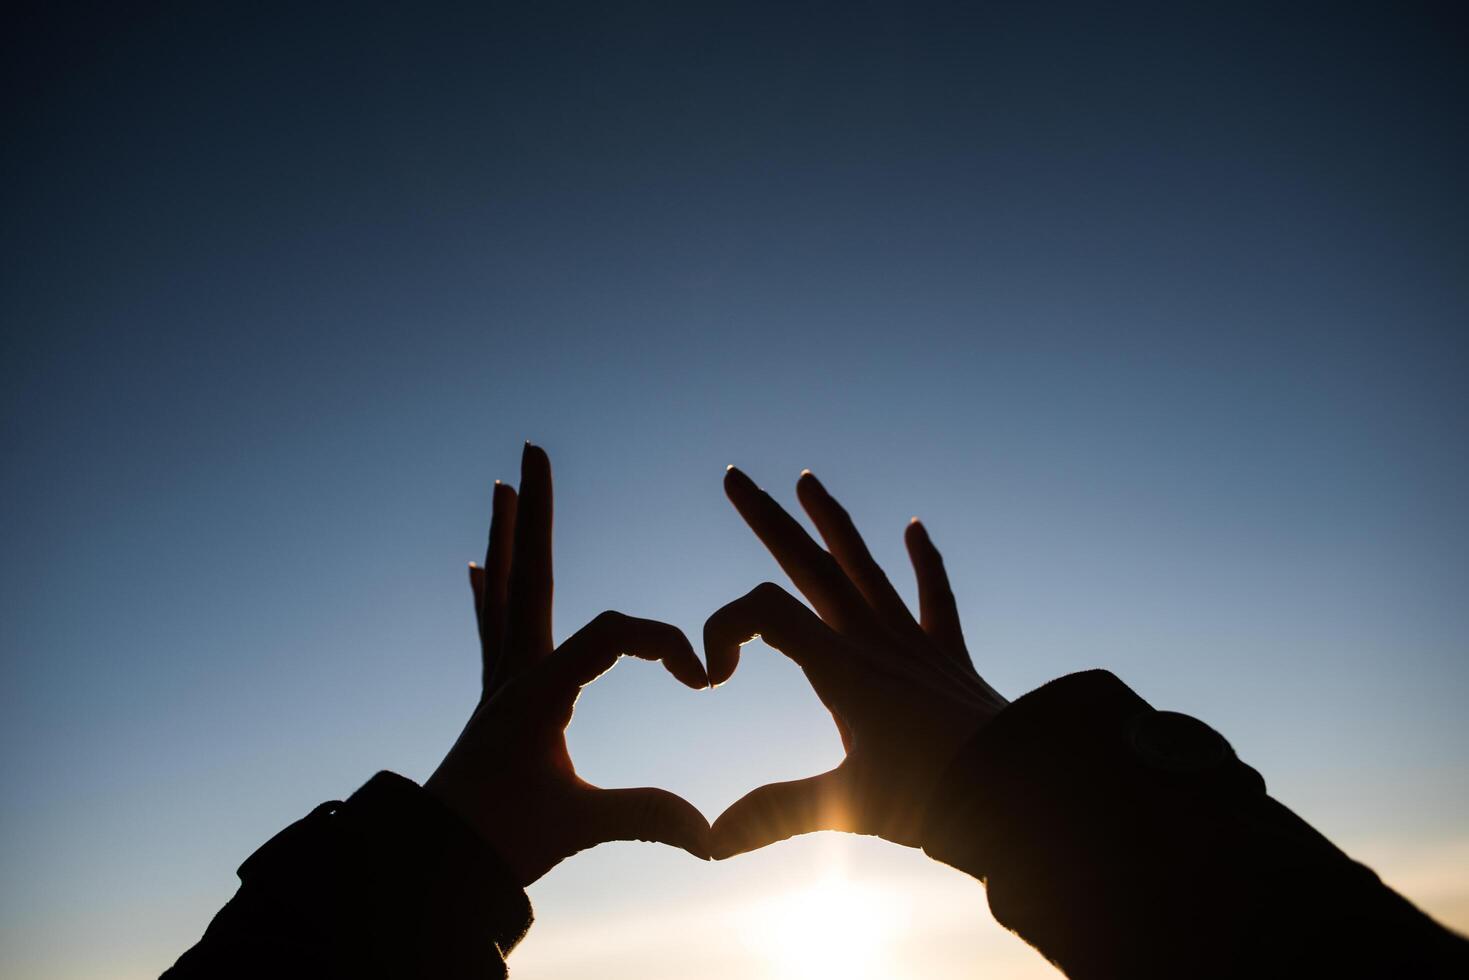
904,693
509,775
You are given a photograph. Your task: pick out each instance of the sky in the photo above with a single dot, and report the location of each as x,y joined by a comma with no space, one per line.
1155,314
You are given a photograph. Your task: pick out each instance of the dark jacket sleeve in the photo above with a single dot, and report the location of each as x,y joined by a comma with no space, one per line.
387,884
1122,841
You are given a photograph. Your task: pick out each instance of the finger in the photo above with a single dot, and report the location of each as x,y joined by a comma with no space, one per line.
477,587
937,610
492,598
810,567
594,648
777,617
850,551
486,656
650,815
777,811
528,616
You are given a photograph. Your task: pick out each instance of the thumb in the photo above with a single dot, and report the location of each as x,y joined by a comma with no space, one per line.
777,811
651,815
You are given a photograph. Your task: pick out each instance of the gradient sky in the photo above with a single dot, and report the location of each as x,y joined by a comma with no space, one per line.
1156,316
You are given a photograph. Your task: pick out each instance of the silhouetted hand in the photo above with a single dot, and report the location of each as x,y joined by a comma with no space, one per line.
509,774
904,694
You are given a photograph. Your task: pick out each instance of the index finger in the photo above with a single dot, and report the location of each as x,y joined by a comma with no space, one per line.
778,618
594,648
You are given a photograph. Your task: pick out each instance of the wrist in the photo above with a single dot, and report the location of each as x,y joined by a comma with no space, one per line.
467,798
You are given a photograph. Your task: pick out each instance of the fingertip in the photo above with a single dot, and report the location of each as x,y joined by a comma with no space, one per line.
719,848
690,671
720,852
916,533
694,676
725,844
692,836
535,472
693,828
708,672
722,661
705,848
533,454
808,487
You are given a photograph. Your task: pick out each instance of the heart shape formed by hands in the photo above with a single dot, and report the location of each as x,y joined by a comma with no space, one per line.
903,692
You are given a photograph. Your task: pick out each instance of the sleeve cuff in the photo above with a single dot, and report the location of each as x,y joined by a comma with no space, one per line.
408,878
1060,752
408,831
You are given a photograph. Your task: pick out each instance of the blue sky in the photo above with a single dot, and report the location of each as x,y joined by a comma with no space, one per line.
1156,317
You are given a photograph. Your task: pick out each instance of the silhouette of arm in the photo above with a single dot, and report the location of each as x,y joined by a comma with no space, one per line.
1122,841
403,881
1119,840
387,884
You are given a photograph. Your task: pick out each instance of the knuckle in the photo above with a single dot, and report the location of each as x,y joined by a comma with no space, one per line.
609,619
767,592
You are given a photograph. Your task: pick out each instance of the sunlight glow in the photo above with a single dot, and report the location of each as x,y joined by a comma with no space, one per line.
836,928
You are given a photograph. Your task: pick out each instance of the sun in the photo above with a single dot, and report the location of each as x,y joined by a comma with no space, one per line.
837,928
